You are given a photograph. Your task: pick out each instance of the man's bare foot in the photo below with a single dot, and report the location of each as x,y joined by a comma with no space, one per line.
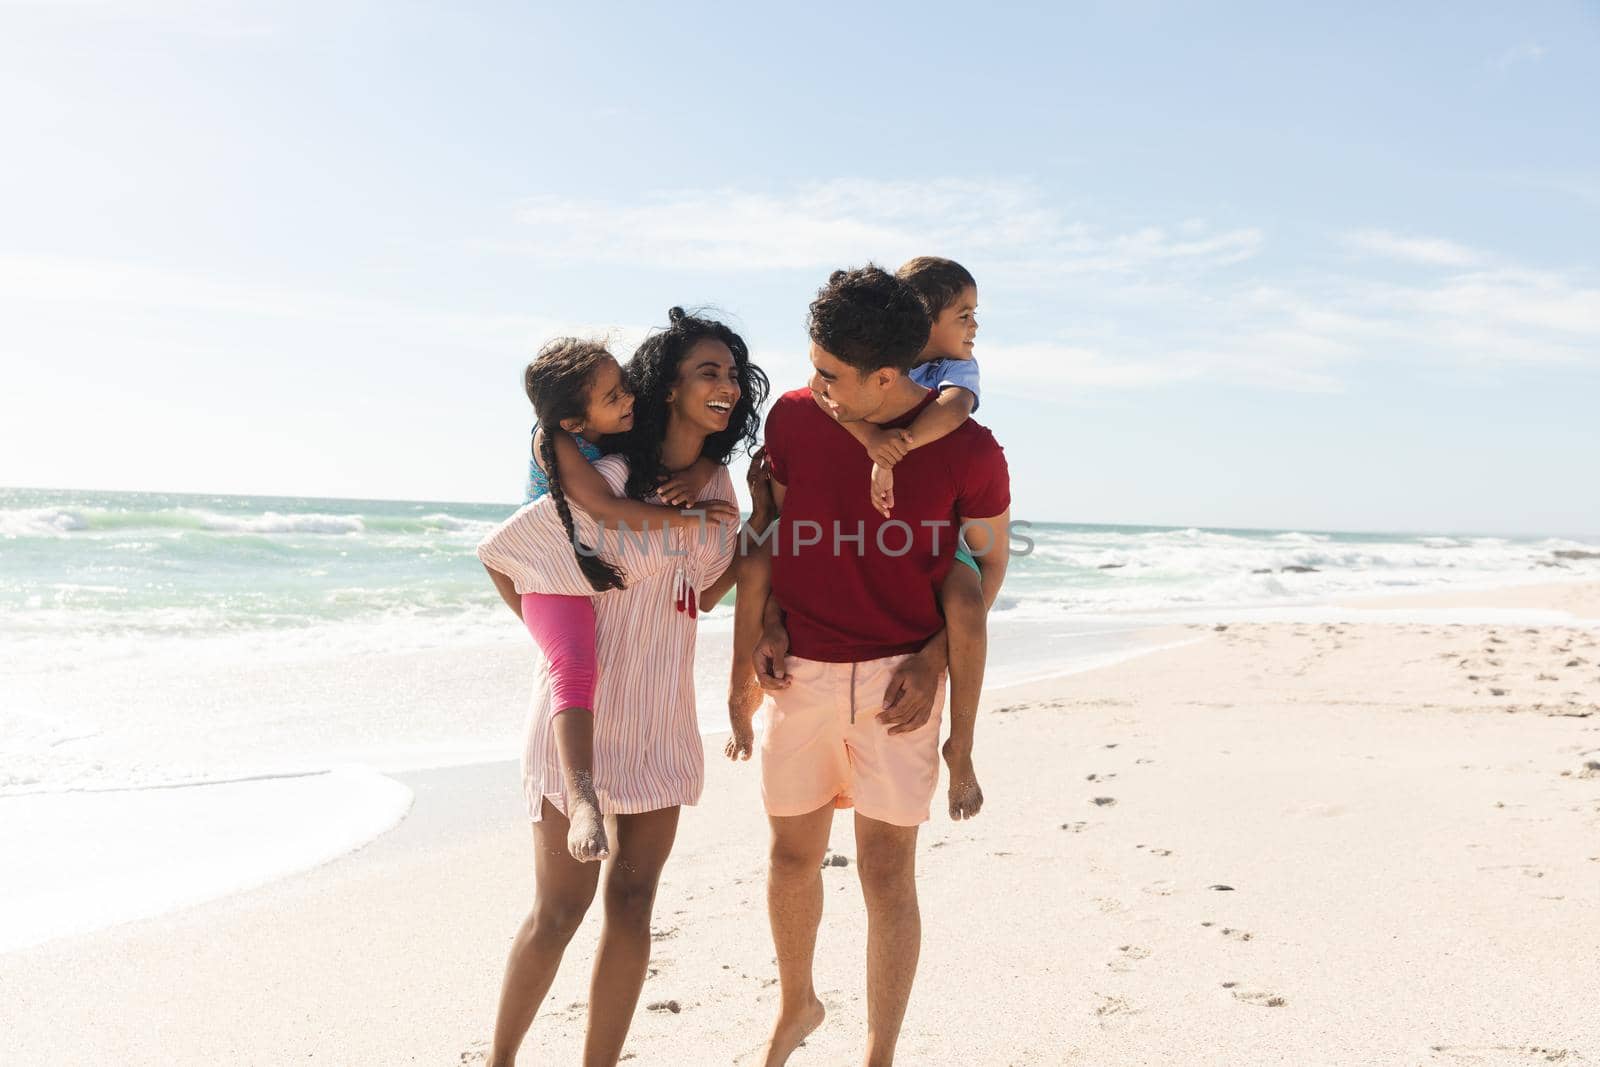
586,827
791,1031
966,797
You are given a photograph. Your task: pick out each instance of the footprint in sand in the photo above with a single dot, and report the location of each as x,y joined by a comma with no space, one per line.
1506,1054
1100,777
1161,888
1074,827
477,1052
1161,852
1104,802
1110,1006
1259,997
1129,955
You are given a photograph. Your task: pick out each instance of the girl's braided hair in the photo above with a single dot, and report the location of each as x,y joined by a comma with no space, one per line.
557,382
653,372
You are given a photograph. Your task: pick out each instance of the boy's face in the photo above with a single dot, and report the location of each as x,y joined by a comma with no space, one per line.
844,392
955,330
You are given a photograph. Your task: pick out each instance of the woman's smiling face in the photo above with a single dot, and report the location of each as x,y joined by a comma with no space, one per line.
707,386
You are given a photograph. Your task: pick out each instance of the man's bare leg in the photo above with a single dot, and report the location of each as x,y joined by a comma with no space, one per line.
794,905
886,857
563,890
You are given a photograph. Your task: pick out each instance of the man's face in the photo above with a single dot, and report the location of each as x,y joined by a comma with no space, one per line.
844,392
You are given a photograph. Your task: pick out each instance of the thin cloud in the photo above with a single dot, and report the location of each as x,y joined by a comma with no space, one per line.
828,223
1430,251
1522,53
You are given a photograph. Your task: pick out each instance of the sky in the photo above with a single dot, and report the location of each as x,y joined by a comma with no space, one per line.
1239,265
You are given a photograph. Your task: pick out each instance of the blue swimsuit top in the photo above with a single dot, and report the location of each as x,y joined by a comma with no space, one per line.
539,482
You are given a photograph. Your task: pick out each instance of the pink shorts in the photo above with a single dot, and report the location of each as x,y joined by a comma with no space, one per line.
824,744
563,628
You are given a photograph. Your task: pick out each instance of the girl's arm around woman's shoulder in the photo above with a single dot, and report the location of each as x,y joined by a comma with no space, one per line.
584,486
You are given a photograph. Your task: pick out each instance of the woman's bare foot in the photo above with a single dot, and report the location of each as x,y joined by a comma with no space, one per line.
791,1031
586,827
966,798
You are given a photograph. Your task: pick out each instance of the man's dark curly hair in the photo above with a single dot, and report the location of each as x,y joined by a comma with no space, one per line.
869,319
651,374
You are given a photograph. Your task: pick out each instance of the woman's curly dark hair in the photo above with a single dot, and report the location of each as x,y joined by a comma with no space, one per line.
869,319
651,374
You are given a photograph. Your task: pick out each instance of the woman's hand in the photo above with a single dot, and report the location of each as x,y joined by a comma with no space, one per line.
758,479
743,701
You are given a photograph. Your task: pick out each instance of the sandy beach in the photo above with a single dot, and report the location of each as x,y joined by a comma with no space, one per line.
1276,843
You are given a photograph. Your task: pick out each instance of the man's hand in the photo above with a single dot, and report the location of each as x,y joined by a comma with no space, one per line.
769,655
882,489
908,699
888,447
743,701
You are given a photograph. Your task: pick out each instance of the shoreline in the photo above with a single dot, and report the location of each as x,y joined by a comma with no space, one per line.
1575,603
1410,848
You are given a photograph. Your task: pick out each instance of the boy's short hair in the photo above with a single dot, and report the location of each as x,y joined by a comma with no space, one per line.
938,282
869,319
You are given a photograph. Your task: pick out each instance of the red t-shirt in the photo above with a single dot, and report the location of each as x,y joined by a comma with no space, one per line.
850,599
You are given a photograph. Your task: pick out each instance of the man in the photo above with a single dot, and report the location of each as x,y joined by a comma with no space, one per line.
851,645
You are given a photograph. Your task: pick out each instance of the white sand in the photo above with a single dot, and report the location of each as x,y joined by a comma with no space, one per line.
1415,863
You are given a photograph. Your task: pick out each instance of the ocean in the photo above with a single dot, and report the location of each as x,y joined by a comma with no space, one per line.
200,693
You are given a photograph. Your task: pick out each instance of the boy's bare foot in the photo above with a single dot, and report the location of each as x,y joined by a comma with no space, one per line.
586,827
966,797
790,1031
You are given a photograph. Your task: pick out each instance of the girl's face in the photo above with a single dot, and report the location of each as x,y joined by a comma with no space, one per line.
610,407
707,387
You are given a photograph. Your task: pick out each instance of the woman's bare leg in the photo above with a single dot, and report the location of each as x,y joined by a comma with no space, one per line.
564,888
642,844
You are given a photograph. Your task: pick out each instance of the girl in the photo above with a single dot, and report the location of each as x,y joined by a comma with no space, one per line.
580,399
697,397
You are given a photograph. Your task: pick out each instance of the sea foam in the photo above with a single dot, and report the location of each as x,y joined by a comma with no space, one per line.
80,861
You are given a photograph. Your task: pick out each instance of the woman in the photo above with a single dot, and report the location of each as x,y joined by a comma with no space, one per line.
696,394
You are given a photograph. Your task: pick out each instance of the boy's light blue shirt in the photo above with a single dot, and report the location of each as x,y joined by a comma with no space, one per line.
940,374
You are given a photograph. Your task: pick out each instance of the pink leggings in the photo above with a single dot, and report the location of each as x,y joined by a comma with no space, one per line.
563,628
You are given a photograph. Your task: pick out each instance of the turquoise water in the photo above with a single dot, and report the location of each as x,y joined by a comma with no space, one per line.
172,566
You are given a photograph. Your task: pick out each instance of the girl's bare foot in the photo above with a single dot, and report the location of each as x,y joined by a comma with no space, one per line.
790,1032
586,827
966,798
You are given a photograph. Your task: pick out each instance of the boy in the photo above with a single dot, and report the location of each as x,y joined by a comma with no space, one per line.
946,364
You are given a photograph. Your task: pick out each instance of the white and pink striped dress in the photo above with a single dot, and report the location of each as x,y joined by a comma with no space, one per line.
648,753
